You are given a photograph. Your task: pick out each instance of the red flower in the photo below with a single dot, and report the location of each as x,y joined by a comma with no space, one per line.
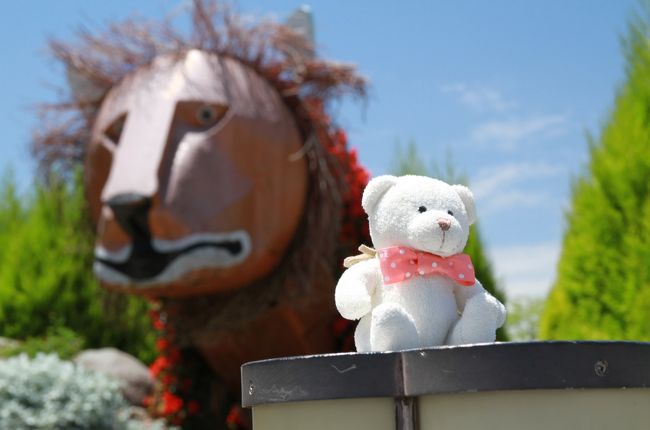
174,356
341,137
168,379
353,156
158,324
147,401
171,403
162,344
159,365
235,419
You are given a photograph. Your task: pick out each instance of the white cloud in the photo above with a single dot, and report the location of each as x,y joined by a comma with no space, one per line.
479,99
526,270
507,134
513,199
499,187
491,180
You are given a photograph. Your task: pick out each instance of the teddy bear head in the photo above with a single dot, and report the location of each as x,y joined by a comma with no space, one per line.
419,212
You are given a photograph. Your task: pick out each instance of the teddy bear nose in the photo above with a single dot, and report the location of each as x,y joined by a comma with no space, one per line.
444,224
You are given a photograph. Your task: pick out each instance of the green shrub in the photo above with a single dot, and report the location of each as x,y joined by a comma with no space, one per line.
523,318
603,285
46,278
47,393
50,394
58,340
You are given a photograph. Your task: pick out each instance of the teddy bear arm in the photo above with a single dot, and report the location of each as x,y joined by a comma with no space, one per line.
464,293
479,295
482,315
355,289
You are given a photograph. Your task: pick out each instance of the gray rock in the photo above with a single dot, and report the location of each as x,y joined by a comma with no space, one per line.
134,376
137,418
5,342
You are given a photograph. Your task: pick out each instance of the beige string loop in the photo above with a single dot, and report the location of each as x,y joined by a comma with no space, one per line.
367,253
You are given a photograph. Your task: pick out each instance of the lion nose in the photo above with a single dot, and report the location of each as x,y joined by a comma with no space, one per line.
131,210
444,224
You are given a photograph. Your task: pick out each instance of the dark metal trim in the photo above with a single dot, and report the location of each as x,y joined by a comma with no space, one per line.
448,369
406,413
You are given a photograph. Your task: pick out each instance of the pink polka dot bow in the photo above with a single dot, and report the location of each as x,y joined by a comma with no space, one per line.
399,263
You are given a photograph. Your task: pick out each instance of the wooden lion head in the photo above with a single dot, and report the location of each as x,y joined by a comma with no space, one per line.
205,154
194,177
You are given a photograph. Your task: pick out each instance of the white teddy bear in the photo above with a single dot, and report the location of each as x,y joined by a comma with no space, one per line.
420,289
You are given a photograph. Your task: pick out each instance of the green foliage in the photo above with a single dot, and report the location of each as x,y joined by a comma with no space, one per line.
409,162
46,278
58,340
47,393
603,285
523,318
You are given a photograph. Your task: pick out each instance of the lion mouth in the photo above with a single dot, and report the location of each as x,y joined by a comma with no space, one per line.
158,261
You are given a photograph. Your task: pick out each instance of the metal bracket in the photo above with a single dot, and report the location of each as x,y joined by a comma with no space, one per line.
406,413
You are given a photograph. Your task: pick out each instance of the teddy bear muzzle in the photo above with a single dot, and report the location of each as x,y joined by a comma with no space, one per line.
444,224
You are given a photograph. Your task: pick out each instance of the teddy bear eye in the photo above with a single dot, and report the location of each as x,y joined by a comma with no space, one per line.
422,209
450,213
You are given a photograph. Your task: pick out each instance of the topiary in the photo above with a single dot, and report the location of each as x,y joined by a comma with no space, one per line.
603,285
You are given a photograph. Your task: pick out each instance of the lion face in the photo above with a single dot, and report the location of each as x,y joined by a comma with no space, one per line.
194,178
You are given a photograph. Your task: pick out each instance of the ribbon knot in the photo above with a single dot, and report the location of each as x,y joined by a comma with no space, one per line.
399,263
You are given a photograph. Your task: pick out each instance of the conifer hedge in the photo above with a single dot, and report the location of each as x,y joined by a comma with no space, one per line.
46,278
602,289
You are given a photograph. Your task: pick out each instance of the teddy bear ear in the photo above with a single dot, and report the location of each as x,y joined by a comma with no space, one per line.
468,200
375,189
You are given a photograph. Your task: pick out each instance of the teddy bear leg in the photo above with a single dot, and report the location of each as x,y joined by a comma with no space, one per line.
482,315
392,329
362,334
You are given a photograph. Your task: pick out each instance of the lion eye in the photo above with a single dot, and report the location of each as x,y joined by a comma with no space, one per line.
199,115
206,115
114,131
450,213
422,209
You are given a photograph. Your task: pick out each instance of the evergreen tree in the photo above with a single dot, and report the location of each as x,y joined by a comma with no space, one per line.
603,286
523,318
46,281
407,161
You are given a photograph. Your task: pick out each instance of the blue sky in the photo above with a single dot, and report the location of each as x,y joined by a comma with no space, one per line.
510,88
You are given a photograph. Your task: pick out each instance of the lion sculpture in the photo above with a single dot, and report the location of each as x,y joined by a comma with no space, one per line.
220,189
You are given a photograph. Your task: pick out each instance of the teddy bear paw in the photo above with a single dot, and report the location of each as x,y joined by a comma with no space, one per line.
392,329
482,316
353,305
